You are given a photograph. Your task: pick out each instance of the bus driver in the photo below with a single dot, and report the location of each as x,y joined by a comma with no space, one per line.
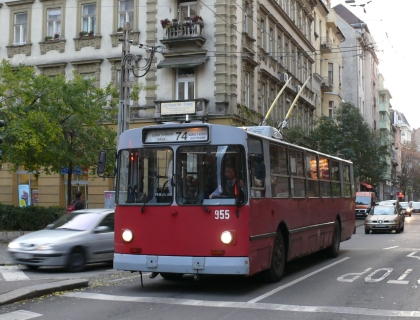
230,175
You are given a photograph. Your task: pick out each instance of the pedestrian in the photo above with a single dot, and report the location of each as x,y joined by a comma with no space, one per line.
78,202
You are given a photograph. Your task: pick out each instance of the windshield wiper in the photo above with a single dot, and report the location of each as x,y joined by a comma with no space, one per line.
144,205
204,207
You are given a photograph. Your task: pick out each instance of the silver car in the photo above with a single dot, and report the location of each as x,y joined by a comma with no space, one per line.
74,240
384,218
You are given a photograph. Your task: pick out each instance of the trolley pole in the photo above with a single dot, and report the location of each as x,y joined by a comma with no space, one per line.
124,107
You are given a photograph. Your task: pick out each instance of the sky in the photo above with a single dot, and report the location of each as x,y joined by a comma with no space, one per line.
394,26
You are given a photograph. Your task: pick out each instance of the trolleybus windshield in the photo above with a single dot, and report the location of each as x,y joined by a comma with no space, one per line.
145,176
210,175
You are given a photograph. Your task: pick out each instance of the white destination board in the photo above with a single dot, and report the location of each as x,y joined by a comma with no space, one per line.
174,108
177,135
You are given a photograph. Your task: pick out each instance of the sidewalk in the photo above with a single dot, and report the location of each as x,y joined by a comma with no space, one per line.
12,291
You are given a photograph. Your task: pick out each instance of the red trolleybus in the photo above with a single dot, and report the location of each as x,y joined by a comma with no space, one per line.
176,214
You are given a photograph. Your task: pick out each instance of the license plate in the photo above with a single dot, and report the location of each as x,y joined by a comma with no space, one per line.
23,256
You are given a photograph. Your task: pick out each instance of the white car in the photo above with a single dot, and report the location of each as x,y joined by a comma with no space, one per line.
74,240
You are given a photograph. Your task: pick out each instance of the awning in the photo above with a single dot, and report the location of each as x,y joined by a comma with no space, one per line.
367,185
182,62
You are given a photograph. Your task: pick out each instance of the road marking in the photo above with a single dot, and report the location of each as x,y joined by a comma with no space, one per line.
12,273
401,278
357,275
247,305
413,255
386,274
390,248
294,282
19,315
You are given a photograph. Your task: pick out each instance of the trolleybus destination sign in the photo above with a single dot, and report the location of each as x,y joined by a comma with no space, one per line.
177,135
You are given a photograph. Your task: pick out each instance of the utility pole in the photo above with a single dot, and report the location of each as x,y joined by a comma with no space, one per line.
124,108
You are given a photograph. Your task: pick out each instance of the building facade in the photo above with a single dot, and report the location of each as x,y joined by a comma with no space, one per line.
360,83
225,59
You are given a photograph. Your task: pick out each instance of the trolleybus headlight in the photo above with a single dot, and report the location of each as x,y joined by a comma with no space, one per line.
226,237
127,235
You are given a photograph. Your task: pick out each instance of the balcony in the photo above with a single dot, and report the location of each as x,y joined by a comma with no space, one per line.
332,20
384,106
184,34
326,45
385,124
327,84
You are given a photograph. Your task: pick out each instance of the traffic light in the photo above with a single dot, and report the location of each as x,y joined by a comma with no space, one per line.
1,139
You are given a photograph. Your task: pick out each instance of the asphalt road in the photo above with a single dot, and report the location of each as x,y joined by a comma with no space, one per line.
376,276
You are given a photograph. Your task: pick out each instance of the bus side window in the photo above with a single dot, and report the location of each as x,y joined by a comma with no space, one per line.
312,175
279,173
256,168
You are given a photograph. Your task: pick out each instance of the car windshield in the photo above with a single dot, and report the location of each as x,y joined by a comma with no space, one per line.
363,200
76,221
404,204
390,202
383,210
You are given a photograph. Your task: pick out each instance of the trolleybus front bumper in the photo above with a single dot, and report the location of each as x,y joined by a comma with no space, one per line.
177,264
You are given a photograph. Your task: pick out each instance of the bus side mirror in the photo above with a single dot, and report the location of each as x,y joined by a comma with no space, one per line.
101,162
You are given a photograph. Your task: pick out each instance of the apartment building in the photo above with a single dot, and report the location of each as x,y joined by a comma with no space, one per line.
387,138
224,60
360,82
328,67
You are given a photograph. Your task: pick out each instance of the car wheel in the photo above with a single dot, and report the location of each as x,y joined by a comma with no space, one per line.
278,261
367,231
402,228
332,252
398,230
76,261
171,276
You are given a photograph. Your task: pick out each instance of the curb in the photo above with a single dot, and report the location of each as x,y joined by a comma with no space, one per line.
41,289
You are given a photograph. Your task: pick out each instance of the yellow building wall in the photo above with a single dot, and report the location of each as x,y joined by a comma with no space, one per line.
6,186
50,190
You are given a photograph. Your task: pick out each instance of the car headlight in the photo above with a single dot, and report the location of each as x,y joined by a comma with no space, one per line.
14,245
127,235
47,246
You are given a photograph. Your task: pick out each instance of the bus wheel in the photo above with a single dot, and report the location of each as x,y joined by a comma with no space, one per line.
278,261
332,252
171,276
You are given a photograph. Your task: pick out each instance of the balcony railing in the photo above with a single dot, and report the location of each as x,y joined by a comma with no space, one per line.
182,31
326,45
327,84
186,32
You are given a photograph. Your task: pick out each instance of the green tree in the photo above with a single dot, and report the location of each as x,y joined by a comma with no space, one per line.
410,164
53,123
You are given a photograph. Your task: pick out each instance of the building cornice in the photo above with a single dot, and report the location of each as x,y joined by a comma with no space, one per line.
18,3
